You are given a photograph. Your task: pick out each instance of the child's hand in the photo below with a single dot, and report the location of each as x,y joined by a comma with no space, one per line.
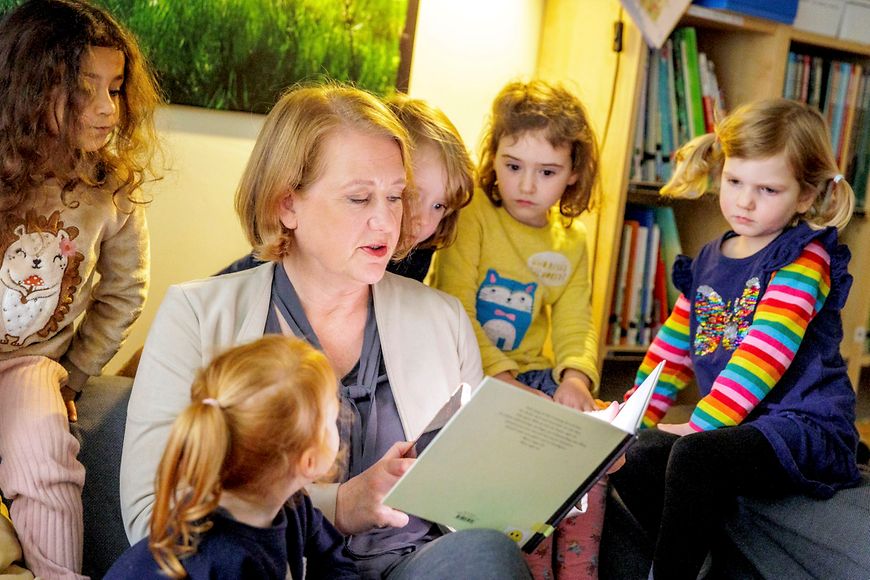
617,464
605,412
75,382
359,505
676,428
574,392
69,396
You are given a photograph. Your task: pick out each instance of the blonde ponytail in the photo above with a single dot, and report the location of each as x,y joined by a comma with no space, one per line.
188,484
698,166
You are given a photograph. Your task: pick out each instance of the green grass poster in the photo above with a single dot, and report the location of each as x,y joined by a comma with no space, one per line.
240,54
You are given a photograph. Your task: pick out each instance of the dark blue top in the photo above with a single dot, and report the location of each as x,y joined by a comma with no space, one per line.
809,415
300,540
374,424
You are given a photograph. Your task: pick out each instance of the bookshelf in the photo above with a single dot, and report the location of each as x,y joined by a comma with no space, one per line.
751,58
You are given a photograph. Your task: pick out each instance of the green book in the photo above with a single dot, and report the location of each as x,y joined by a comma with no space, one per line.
688,40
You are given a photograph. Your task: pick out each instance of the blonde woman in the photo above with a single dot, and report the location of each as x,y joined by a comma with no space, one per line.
325,201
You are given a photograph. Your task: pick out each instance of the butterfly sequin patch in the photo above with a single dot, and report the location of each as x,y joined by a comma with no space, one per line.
721,322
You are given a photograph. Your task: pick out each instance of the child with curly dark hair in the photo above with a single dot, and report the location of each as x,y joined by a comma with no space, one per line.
76,141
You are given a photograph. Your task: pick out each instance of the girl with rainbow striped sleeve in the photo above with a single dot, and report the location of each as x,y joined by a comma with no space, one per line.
758,327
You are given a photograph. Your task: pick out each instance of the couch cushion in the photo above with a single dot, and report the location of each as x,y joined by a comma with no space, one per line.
102,412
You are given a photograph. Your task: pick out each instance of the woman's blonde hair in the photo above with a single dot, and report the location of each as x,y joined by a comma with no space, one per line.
427,125
288,157
255,409
541,106
760,130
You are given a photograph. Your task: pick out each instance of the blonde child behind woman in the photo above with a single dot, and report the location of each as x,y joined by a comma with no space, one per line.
261,425
520,268
443,180
758,326
76,142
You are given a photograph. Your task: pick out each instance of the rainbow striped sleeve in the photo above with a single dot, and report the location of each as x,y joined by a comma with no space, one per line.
793,297
671,345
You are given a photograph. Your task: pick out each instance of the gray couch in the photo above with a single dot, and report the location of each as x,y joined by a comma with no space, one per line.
794,538
102,412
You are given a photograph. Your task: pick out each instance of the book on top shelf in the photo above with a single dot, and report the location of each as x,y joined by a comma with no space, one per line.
515,462
687,39
655,19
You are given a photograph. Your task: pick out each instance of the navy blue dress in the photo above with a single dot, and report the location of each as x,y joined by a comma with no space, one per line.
301,540
809,415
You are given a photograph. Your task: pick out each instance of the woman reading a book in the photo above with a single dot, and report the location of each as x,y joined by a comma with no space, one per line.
324,200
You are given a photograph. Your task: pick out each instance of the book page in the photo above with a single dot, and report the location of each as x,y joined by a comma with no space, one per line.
631,413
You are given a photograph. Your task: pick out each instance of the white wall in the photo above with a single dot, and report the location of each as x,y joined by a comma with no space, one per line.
464,51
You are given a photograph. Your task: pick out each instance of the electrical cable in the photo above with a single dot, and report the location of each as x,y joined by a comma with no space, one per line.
617,47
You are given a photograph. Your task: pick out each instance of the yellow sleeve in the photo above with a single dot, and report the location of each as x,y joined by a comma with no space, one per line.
575,341
456,270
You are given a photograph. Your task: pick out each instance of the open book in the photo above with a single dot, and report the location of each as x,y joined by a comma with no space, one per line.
512,461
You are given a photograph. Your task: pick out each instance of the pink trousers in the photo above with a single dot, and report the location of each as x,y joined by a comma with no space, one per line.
571,552
38,466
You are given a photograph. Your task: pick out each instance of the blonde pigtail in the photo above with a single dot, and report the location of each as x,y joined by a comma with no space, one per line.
833,206
698,166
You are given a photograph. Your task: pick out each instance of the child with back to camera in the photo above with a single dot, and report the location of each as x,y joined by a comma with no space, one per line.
261,425
443,179
76,142
520,265
758,325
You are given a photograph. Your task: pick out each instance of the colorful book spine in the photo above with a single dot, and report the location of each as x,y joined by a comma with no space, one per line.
671,248
665,125
689,50
639,129
615,331
647,312
625,315
685,131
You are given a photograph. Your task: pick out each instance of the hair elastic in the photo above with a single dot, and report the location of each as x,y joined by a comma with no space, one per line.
838,178
211,402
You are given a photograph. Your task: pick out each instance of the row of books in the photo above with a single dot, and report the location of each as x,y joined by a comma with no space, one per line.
681,100
841,91
644,293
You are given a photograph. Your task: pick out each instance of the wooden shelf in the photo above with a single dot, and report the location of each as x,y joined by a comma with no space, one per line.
625,352
647,193
829,42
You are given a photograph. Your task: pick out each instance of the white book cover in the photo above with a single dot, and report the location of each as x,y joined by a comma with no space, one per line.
655,18
515,462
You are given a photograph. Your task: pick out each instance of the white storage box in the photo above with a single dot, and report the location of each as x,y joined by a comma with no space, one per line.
855,24
820,16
